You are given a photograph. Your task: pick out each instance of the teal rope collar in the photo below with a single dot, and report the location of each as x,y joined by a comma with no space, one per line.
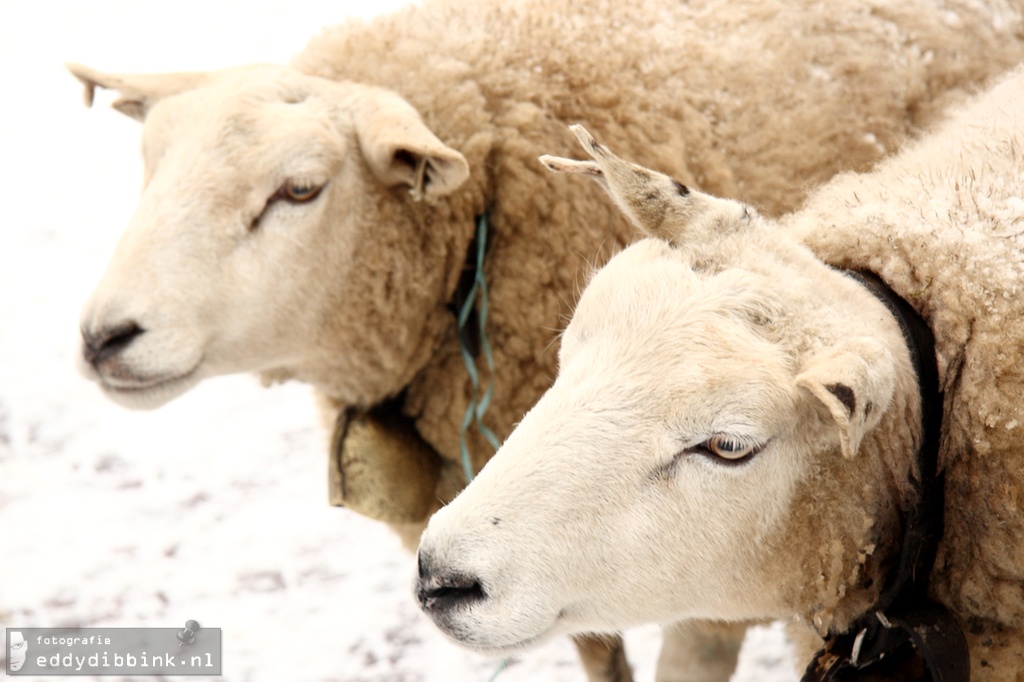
473,342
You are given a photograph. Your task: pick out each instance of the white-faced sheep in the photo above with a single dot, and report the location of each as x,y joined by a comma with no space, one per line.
740,431
313,222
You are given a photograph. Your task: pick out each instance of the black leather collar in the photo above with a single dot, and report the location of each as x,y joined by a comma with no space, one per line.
905,633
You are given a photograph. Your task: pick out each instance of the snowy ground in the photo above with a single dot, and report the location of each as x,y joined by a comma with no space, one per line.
214,507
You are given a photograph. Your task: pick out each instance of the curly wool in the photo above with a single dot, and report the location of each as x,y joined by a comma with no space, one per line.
753,100
943,224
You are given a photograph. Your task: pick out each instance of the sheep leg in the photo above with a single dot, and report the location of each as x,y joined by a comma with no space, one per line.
703,651
603,658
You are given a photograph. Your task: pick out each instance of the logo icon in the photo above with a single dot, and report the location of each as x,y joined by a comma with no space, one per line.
188,635
18,651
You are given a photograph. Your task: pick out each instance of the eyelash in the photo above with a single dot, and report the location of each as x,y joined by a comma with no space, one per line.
720,446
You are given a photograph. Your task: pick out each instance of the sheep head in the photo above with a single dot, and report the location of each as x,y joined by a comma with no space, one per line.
688,460
275,234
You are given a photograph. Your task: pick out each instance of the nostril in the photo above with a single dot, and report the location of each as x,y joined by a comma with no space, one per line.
444,594
107,342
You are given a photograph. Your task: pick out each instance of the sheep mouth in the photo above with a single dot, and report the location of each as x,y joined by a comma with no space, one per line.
135,383
148,392
469,636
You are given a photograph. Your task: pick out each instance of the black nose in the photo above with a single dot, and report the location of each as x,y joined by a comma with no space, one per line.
440,591
107,342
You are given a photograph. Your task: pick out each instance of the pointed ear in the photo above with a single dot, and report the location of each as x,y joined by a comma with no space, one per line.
138,92
659,205
855,382
401,150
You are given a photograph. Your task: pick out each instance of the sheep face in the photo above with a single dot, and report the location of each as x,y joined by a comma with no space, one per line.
686,460
252,247
642,485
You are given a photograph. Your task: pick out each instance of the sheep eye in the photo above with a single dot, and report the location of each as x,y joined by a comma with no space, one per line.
727,449
293,193
299,193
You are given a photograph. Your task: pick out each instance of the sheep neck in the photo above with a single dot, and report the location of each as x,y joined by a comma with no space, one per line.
386,417
903,619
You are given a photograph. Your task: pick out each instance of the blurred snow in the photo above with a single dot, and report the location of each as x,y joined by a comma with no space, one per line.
214,507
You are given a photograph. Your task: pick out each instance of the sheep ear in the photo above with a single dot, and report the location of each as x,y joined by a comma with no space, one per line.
855,382
139,92
659,205
401,150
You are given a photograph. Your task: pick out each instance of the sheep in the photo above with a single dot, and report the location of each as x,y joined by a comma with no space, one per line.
735,426
314,221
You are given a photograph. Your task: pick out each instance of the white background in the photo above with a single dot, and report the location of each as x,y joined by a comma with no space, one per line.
212,508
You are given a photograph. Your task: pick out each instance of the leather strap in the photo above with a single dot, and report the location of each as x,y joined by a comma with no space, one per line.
925,642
